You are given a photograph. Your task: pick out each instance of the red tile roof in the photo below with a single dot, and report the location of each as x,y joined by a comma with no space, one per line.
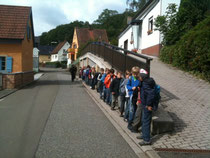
85,35
58,47
13,21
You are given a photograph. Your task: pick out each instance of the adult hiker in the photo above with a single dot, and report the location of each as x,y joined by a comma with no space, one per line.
73,71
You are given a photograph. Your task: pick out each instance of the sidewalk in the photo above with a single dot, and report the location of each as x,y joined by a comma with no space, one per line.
121,126
187,99
6,92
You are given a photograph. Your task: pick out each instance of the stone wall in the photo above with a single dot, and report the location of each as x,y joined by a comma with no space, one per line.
17,80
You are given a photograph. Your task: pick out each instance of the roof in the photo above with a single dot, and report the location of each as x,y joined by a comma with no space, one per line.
137,15
13,21
45,50
58,47
85,35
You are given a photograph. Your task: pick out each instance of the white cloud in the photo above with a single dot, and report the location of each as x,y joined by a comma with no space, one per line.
47,14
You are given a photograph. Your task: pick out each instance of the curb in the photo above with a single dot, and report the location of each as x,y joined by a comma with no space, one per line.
15,90
121,126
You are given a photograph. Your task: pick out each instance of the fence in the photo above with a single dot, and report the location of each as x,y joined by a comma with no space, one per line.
119,58
1,80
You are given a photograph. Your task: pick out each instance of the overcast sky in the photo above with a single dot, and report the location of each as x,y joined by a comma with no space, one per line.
47,14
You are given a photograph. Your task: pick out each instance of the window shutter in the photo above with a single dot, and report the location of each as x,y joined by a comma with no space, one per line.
0,63
9,64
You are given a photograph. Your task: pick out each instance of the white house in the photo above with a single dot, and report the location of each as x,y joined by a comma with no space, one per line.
140,35
60,52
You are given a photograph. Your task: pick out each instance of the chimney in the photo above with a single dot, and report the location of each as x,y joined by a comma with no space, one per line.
129,19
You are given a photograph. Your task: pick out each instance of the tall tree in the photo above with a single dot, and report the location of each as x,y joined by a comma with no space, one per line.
105,15
135,5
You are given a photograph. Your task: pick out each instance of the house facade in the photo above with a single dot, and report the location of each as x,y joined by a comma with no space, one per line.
140,35
60,52
16,46
45,53
81,37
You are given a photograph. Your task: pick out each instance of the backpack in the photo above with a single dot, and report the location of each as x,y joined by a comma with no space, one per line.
122,87
157,97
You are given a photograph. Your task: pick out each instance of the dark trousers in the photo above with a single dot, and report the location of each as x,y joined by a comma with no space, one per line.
101,88
72,76
146,121
122,104
114,100
137,122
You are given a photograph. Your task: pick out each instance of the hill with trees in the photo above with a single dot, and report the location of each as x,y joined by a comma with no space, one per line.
110,20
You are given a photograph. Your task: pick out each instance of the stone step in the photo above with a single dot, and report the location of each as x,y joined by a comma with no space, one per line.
161,121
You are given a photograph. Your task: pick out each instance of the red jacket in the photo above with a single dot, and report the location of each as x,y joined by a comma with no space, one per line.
108,80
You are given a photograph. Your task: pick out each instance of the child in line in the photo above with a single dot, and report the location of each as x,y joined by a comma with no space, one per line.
124,97
114,89
99,85
109,78
107,71
147,99
133,82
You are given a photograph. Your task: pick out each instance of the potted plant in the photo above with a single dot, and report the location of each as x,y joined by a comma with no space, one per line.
149,32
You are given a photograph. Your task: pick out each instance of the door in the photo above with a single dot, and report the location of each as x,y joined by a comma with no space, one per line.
126,44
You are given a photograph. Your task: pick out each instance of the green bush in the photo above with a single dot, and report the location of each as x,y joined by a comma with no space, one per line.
53,64
192,51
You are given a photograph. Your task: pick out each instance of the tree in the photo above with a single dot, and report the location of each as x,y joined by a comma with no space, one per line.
166,24
135,5
105,15
175,24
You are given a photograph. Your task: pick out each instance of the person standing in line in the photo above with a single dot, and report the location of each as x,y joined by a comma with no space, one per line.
73,71
109,78
147,100
99,84
123,97
132,84
114,89
107,71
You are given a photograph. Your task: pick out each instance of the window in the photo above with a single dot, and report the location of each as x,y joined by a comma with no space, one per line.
6,63
75,46
2,63
150,25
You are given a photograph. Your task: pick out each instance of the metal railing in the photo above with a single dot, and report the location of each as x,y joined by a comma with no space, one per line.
1,80
119,58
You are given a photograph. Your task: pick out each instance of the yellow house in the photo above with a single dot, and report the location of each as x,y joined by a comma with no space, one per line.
82,36
16,45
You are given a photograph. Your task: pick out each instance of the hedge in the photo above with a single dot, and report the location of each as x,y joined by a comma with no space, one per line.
192,51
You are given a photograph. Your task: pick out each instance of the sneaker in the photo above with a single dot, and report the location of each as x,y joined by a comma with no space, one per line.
139,137
134,131
121,115
112,108
143,143
130,126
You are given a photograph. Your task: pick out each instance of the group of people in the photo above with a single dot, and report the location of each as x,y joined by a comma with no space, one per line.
133,93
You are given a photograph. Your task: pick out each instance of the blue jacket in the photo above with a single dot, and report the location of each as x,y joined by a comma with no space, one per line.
103,77
131,83
147,92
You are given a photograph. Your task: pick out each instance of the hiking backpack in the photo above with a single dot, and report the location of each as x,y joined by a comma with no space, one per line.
157,97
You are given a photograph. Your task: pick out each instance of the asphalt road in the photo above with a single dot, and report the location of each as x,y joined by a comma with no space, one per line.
56,118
